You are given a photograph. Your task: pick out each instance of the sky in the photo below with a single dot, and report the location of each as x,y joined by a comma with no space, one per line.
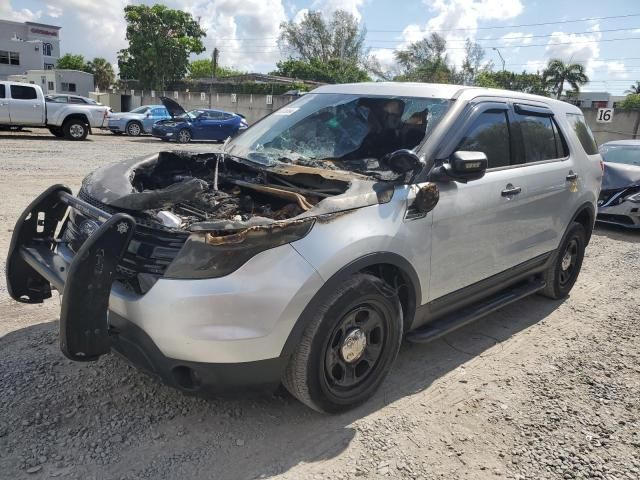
526,33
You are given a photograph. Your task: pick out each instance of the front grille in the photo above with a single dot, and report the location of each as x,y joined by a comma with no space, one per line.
150,252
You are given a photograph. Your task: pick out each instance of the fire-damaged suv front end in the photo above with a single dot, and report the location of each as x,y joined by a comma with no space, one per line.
197,267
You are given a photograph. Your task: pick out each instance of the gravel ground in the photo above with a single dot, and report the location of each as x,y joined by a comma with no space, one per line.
541,389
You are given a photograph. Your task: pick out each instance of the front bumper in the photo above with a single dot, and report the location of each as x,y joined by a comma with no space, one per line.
201,335
626,214
161,132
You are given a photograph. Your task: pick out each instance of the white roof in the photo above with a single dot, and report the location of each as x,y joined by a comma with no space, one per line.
437,90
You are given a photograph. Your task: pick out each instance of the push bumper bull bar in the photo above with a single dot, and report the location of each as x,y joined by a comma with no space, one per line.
34,267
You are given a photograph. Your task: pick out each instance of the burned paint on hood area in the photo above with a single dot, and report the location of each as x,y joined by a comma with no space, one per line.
197,192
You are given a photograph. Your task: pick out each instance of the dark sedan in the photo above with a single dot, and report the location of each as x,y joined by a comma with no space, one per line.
198,124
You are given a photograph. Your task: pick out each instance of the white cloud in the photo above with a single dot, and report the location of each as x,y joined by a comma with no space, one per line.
516,38
582,48
457,20
246,33
54,11
7,12
351,6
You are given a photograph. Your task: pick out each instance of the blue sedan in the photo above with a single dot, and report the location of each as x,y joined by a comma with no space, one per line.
198,124
138,121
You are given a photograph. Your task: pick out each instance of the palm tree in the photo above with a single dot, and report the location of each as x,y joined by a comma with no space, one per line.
635,89
558,72
103,74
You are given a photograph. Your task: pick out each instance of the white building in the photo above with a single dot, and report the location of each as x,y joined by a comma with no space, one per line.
27,46
58,81
594,99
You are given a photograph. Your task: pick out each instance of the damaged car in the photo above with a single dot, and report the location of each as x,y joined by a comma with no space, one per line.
198,124
313,243
619,201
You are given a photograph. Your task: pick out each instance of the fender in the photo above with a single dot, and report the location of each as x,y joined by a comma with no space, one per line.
588,209
379,258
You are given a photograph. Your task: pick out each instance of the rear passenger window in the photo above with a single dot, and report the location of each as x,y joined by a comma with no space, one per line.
583,132
489,133
541,138
20,92
76,100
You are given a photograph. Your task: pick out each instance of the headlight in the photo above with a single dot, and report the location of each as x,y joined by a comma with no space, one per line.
213,254
635,198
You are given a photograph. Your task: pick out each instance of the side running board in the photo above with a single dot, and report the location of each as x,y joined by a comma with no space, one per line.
460,318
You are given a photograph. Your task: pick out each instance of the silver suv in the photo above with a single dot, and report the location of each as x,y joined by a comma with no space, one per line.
318,239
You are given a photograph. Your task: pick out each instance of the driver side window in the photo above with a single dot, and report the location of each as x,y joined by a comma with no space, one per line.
490,134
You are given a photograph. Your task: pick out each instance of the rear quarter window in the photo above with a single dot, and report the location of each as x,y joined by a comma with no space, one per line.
20,92
583,132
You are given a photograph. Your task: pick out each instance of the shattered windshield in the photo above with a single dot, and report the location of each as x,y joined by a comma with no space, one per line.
340,131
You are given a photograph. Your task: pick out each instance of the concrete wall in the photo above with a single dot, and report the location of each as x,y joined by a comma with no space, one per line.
252,106
625,125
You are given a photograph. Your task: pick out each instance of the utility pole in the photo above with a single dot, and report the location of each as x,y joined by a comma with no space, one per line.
501,58
214,68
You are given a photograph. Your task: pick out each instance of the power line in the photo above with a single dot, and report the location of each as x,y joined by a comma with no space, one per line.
491,38
560,22
271,48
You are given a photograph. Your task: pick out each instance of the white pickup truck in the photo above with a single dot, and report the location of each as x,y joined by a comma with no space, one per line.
24,105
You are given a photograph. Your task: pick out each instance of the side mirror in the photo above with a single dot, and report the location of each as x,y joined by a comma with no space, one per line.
403,161
148,115
463,166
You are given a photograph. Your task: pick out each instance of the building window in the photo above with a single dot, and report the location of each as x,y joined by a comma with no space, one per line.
50,86
9,58
47,49
68,87
49,66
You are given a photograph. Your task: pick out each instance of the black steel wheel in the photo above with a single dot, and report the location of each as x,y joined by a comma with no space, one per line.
348,345
563,271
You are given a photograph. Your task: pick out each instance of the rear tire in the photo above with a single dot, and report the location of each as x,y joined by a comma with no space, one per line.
348,347
563,271
134,129
56,132
75,129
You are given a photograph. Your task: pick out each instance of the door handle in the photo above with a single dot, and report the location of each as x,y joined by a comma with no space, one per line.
511,190
572,177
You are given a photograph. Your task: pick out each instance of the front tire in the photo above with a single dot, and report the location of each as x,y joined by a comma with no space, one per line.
348,347
134,129
563,272
184,136
75,129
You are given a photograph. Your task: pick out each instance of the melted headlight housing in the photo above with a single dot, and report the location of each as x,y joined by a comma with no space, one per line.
215,254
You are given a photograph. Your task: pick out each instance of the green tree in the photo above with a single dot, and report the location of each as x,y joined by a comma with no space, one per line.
103,75
519,82
631,101
324,49
425,61
635,89
318,38
160,42
202,69
331,71
69,61
558,73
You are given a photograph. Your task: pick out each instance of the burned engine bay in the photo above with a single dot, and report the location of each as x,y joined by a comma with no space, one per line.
214,192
